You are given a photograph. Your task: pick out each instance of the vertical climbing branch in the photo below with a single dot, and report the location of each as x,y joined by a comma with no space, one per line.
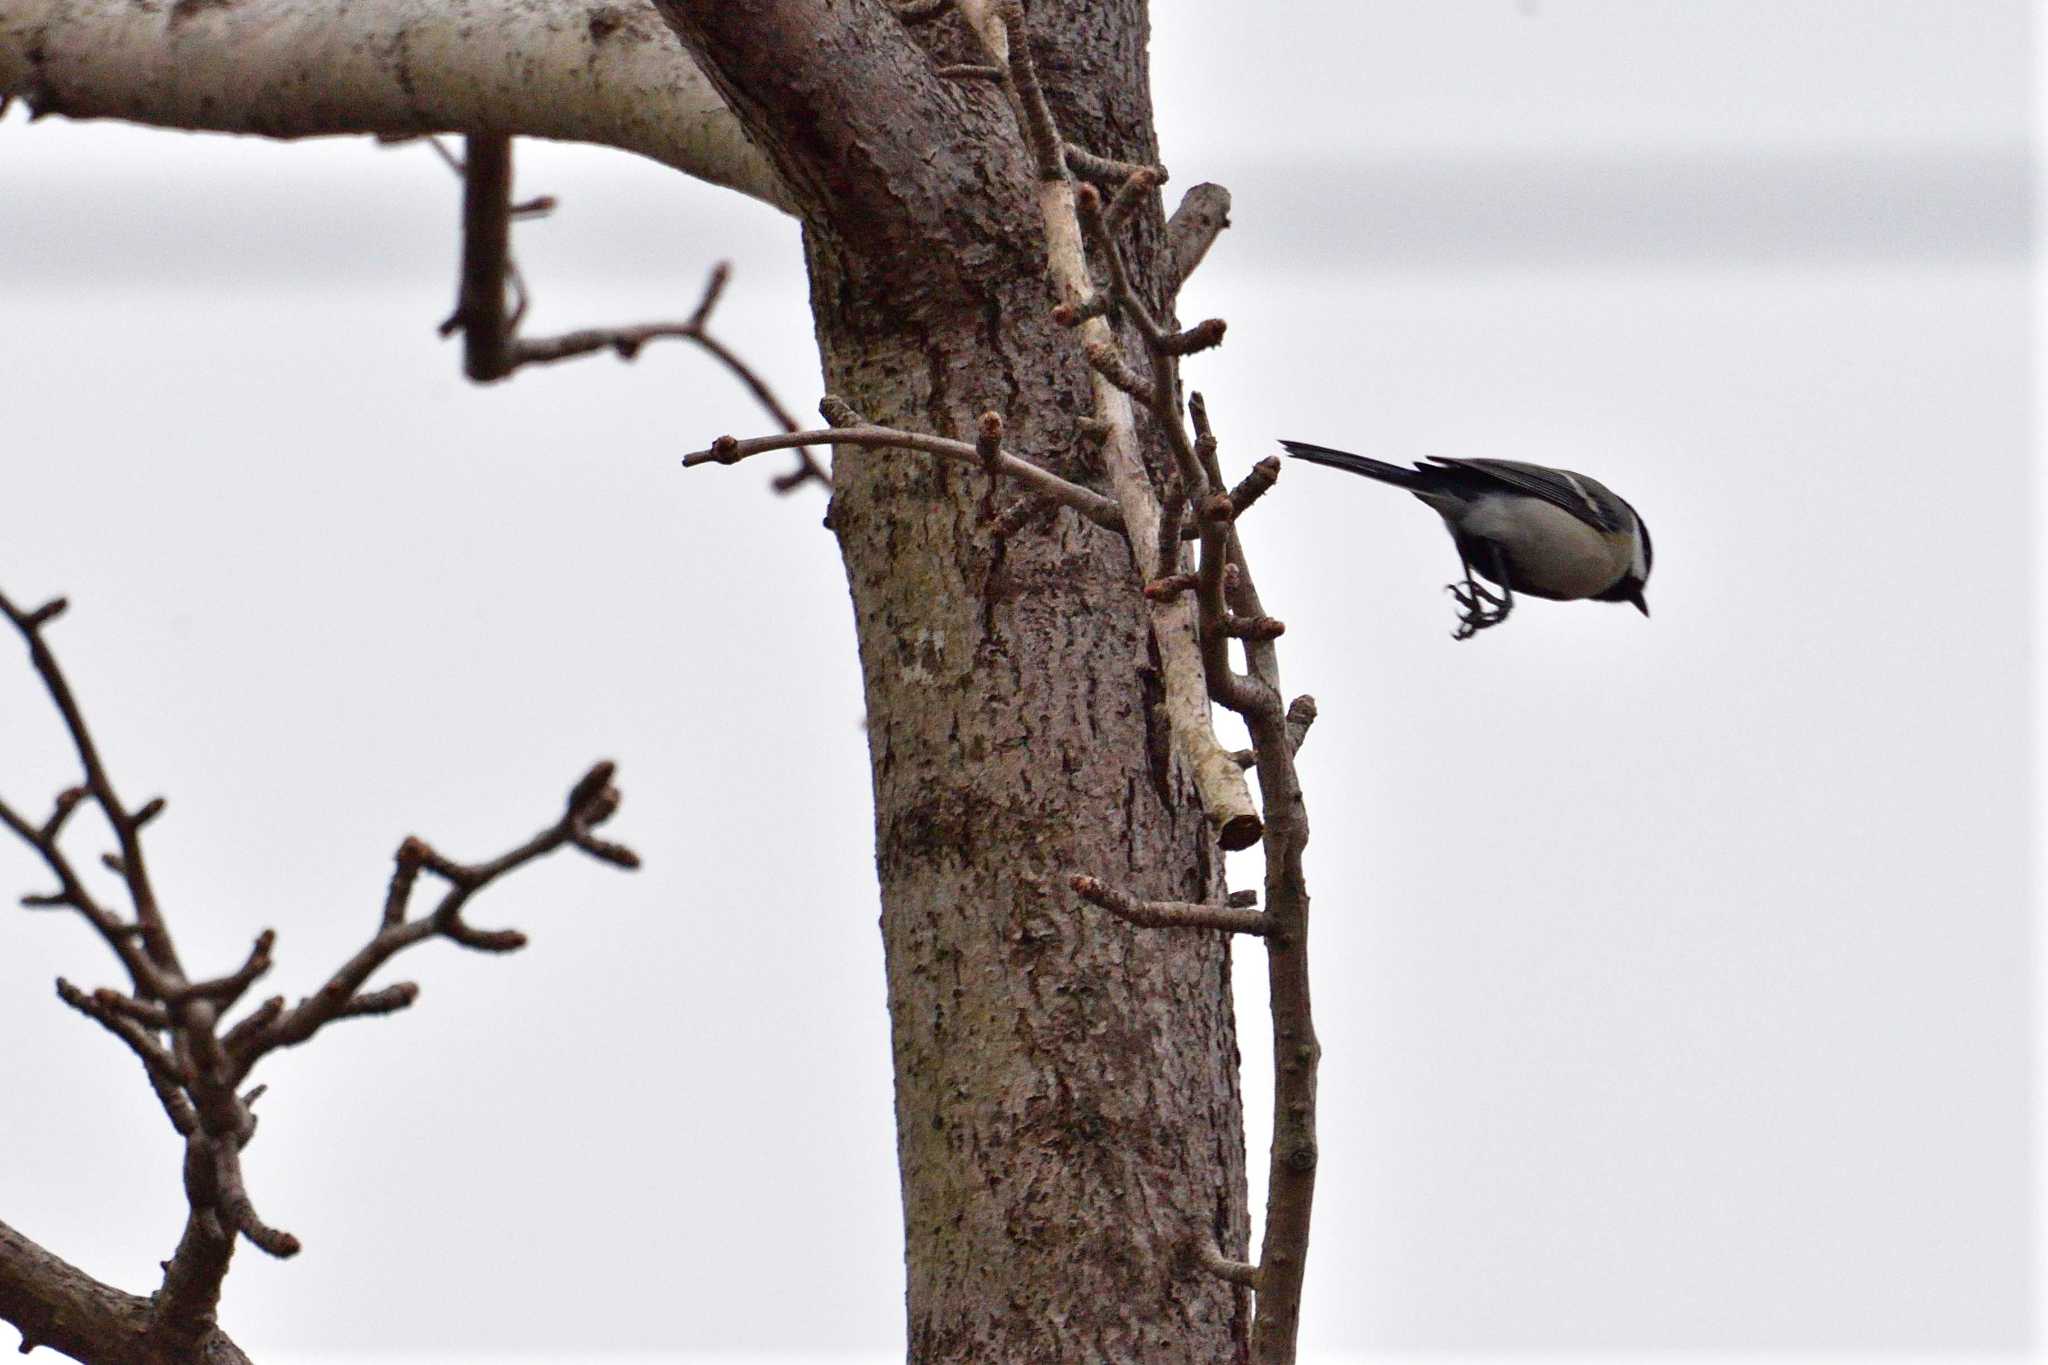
1225,797
1227,607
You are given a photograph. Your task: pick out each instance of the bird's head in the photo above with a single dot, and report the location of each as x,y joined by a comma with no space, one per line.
1638,570
1630,588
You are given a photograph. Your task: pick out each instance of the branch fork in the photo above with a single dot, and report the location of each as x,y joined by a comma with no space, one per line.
492,346
172,1022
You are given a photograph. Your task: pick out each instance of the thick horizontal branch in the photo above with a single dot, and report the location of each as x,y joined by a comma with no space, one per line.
1090,504
54,1304
575,70
1169,914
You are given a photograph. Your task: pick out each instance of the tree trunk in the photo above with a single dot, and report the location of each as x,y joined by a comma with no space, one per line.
1070,1128
1069,1123
1066,1094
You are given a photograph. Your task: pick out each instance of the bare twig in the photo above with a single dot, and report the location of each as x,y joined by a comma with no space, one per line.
155,1060
172,1022
1254,485
1137,187
1090,504
342,996
1300,716
492,346
1040,131
1221,1266
1170,914
1106,172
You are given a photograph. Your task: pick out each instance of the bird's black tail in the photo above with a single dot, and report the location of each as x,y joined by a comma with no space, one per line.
1356,464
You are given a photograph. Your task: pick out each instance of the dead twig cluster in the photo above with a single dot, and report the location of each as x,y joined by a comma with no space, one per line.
196,1054
1198,609
492,300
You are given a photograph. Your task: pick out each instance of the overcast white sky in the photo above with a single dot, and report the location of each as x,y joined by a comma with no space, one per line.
1674,975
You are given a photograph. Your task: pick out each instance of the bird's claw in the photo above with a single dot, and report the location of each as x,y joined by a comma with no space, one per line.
1481,608
1470,594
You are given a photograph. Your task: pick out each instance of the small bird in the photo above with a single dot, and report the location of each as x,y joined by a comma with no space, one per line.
1528,528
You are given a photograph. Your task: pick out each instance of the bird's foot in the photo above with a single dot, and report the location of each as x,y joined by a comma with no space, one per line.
1480,609
1470,592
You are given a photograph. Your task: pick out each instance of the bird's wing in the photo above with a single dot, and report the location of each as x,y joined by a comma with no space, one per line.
1587,499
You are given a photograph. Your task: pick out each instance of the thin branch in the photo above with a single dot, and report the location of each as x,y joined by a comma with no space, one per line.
1237,1272
172,1025
1090,504
1300,715
234,1202
1170,914
1200,337
920,11
492,346
1137,187
1106,172
591,802
1252,486
158,954
1040,131
224,991
159,1063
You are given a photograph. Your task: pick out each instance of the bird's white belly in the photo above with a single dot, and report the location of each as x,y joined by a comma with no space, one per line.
1551,552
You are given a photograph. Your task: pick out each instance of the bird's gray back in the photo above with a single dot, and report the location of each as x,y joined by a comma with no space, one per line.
1581,495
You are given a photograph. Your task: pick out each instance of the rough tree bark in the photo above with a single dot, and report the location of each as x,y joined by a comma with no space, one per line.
1067,1106
1067,1099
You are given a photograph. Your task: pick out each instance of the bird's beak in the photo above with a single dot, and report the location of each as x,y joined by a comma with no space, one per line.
1636,597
